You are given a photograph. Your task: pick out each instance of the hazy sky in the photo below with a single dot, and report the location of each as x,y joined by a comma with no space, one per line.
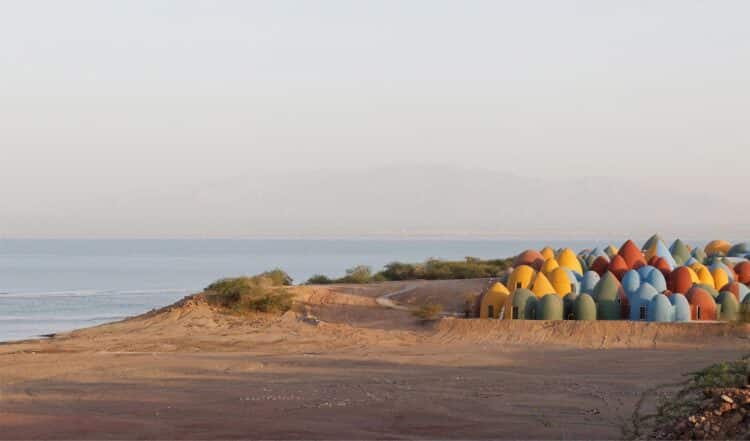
131,102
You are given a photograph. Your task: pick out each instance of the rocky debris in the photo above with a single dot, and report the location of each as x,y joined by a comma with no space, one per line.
723,414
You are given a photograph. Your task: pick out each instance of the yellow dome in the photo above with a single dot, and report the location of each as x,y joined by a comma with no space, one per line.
493,301
693,275
548,253
549,266
718,247
560,281
569,260
542,286
521,277
696,266
720,278
705,276
611,251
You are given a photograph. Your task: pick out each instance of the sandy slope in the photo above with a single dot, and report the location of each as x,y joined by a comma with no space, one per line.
363,372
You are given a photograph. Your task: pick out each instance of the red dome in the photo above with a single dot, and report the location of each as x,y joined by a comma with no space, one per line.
662,265
701,303
600,265
680,280
632,255
742,270
734,288
531,258
618,267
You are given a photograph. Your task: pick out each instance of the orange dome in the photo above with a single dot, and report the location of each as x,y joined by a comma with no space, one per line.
702,304
680,280
718,247
531,258
743,272
632,255
618,266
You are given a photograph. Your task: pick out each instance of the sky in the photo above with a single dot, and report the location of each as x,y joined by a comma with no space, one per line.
178,118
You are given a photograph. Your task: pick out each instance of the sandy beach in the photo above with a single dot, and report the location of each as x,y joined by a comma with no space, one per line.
340,366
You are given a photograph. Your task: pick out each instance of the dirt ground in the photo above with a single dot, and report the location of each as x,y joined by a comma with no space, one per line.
361,372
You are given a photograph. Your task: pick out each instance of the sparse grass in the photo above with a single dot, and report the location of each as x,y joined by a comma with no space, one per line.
261,293
676,400
428,312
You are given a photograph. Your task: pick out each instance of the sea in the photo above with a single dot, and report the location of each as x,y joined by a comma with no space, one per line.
51,286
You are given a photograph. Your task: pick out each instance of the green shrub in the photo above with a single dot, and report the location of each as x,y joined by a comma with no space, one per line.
262,293
428,312
358,274
279,277
319,279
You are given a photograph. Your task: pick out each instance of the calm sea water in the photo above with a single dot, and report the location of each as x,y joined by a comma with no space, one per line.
49,286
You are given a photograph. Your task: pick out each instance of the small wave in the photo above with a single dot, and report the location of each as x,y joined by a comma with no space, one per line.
92,293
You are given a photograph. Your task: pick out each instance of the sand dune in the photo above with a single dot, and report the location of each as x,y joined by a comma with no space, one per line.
341,366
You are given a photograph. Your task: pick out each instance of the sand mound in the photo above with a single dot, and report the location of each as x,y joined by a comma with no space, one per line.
599,334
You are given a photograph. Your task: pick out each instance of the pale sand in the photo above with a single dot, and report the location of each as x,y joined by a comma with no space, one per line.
364,372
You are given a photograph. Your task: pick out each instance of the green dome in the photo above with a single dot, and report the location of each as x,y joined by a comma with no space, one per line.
585,308
550,308
609,297
569,302
730,308
526,303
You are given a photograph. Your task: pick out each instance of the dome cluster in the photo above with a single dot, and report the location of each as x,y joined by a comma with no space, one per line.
655,282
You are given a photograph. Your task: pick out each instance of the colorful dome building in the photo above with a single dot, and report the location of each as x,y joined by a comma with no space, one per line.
493,300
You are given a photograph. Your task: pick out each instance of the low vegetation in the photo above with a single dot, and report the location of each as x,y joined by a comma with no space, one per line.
262,293
432,269
428,312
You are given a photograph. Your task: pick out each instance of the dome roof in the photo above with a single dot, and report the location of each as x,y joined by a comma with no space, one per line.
618,266
721,265
567,258
561,282
589,281
681,307
632,255
661,265
631,281
610,298
730,307
542,286
611,251
600,265
699,254
644,293
549,266
737,289
739,250
720,247
584,308
548,253
650,242
496,296
702,302
705,276
524,302
532,258
742,270
498,287
657,280
660,309
521,277
681,279
680,252
720,278
550,308
658,249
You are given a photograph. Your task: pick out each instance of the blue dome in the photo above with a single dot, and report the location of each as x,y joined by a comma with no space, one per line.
640,300
657,280
631,281
690,261
681,307
660,309
644,270
589,281
663,252
739,250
